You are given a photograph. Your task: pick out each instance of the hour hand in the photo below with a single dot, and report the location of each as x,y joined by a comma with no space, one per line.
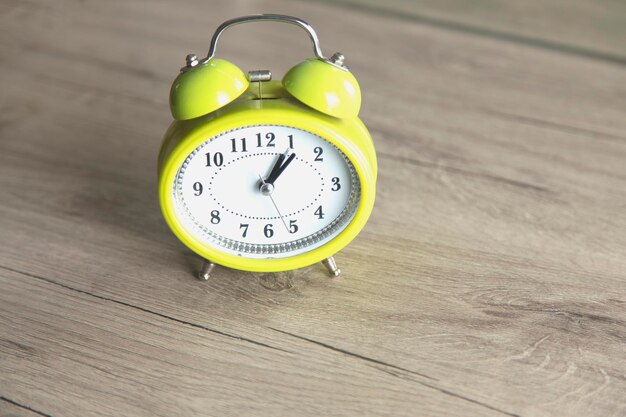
280,166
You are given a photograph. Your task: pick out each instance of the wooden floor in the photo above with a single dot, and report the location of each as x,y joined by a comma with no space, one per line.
490,280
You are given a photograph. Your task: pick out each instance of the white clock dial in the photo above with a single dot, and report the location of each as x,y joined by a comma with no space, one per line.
225,195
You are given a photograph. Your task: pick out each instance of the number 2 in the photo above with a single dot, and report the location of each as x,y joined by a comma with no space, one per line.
319,151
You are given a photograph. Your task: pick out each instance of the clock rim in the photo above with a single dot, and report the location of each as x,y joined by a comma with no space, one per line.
345,134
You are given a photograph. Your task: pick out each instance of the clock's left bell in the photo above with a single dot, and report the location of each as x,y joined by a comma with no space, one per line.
205,86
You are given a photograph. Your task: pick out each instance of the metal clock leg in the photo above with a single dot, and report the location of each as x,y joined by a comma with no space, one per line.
205,270
331,265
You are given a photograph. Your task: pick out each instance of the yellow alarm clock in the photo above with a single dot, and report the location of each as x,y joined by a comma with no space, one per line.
261,175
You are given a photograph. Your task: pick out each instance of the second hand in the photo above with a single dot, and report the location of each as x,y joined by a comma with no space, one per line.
269,194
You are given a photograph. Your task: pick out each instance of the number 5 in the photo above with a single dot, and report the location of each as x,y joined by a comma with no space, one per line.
293,227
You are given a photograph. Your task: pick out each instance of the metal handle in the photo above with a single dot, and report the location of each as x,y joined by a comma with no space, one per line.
266,18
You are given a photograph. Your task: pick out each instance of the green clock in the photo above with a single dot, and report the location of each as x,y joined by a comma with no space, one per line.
263,175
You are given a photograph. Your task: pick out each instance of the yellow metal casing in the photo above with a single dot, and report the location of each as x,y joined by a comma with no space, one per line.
325,87
276,108
205,88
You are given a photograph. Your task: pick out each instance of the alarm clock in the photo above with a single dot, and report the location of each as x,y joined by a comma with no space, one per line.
263,175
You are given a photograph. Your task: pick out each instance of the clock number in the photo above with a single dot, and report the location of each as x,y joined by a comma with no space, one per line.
215,217
218,159
270,140
268,231
244,226
319,151
293,227
233,143
336,185
319,213
197,187
290,141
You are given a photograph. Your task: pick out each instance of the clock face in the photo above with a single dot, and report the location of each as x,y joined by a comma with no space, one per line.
266,191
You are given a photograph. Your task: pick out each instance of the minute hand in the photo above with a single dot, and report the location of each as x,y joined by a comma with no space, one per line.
279,168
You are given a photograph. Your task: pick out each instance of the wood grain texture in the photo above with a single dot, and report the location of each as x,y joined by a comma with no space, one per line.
589,28
12,409
489,281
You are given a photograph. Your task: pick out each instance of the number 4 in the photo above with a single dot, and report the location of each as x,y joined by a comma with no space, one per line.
319,213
